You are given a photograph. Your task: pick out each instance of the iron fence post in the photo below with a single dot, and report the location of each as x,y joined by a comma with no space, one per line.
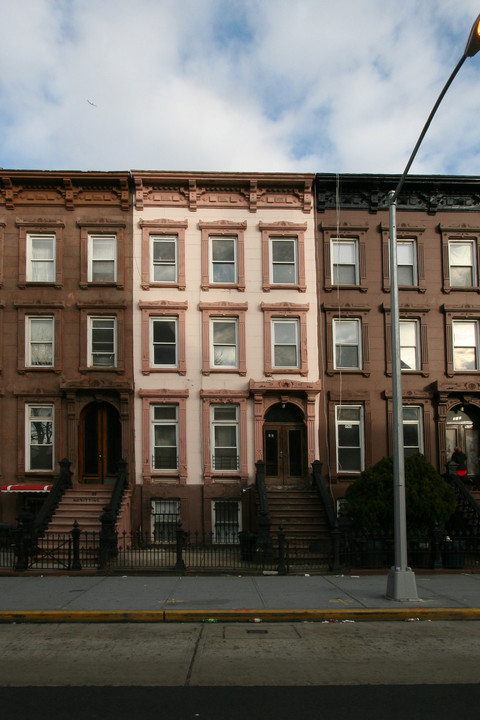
180,538
75,533
282,568
336,533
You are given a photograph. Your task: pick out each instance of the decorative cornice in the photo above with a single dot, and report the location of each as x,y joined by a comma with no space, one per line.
20,188
426,193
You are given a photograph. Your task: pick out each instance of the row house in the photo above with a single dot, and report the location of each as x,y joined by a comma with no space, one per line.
225,344
66,324
438,228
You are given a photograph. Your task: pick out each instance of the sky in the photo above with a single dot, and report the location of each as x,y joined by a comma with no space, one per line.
342,86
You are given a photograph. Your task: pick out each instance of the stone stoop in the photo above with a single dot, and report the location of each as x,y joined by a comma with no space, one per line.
85,505
300,513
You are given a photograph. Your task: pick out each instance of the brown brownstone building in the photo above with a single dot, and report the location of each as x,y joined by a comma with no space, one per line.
65,322
438,226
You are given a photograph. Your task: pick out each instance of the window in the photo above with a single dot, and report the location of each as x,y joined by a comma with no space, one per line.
407,263
285,343
409,345
223,260
164,342
224,342
39,335
39,438
349,438
164,437
462,263
41,258
344,254
224,439
165,516
102,258
465,345
102,342
164,257
347,344
412,430
226,520
283,254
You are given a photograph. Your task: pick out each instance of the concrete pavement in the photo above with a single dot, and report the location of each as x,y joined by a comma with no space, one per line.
82,598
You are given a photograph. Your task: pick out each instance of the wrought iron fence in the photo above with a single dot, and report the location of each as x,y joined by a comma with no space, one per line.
240,552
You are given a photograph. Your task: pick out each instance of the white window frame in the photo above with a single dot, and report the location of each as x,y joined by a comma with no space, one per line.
457,346
32,261
164,517
418,423
226,532
336,243
337,322
30,341
31,419
212,262
92,319
160,320
277,322
274,263
360,423
227,422
404,242
416,346
215,345
163,240
172,422
472,266
92,238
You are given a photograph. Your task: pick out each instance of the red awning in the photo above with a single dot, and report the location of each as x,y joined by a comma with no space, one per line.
35,488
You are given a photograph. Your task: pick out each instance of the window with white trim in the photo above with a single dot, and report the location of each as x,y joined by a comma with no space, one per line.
164,259
349,433
226,520
102,258
465,345
407,274
40,341
409,345
102,341
224,442
224,342
41,259
223,260
164,518
344,259
164,428
164,342
283,261
347,341
39,437
412,430
285,343
462,265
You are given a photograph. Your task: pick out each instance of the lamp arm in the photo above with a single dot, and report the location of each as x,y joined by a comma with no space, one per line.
426,126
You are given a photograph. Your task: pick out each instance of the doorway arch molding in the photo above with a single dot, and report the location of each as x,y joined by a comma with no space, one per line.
449,395
302,395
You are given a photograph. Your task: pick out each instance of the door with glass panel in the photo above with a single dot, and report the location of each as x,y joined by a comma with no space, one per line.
285,449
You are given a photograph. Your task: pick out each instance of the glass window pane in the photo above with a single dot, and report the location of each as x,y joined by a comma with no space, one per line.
225,436
344,253
223,249
164,331
348,413
164,250
464,334
465,359
349,435
165,412
461,253
405,253
461,276
224,332
285,332
103,248
349,459
225,412
346,331
286,356
346,356
165,435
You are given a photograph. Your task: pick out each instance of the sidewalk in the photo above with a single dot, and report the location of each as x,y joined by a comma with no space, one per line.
233,598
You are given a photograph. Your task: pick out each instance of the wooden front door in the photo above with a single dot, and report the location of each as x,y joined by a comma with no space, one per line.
100,445
462,430
284,448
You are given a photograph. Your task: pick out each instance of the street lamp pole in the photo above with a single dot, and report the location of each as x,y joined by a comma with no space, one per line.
401,584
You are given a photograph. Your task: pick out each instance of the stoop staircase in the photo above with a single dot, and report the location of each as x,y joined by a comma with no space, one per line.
300,512
85,505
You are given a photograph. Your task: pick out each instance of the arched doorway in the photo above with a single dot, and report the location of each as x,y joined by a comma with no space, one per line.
100,443
284,445
463,423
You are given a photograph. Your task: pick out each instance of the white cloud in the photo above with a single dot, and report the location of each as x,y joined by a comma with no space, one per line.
259,85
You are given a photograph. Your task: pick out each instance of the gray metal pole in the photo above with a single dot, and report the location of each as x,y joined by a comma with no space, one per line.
401,583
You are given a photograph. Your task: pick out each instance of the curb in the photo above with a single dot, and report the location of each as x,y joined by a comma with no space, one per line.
238,616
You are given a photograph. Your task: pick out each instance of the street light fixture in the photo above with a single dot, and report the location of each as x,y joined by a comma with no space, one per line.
401,583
